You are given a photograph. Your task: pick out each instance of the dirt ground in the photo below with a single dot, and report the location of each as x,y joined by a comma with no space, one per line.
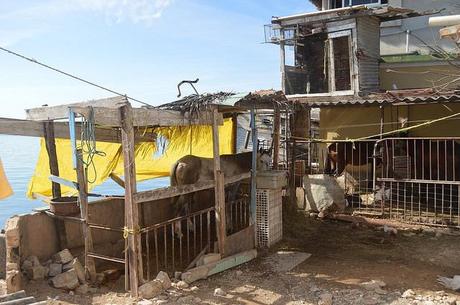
343,256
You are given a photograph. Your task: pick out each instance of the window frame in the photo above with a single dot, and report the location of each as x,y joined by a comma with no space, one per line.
374,3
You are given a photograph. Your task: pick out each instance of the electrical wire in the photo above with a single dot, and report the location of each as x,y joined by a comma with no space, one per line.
72,76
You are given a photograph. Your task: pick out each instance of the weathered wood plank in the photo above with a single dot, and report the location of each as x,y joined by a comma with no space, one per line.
106,114
133,252
30,128
240,241
62,111
169,192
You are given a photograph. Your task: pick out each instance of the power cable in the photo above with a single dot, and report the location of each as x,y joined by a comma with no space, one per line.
72,76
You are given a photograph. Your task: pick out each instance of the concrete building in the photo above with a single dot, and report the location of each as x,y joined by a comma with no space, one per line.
409,47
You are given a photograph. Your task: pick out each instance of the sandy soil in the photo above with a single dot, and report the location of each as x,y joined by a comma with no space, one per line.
343,256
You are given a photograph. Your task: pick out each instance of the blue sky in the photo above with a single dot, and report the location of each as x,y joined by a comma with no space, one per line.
139,47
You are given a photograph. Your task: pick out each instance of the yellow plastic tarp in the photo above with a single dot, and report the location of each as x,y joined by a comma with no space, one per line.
5,188
153,160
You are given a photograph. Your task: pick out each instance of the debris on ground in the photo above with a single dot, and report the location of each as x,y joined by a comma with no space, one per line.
451,283
283,261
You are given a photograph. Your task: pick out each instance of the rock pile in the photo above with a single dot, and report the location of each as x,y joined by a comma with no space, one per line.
63,271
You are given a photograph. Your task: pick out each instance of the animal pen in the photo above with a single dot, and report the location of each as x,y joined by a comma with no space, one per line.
139,230
394,155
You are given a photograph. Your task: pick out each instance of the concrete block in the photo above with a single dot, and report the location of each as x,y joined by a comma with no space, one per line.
55,269
164,279
151,289
63,257
67,280
37,272
12,234
14,281
77,266
208,258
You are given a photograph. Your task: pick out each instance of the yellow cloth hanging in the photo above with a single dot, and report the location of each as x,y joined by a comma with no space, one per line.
153,160
5,188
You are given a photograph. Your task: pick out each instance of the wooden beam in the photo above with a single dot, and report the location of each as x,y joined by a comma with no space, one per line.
117,180
133,254
90,267
173,191
107,114
219,188
235,133
30,128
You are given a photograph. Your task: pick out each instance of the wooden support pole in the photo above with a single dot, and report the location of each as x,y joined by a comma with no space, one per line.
219,190
48,130
117,180
50,143
235,133
133,254
90,267
276,136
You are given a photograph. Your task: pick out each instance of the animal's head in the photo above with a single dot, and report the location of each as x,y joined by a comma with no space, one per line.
263,159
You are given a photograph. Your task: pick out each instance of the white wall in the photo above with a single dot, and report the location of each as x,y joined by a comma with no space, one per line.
393,39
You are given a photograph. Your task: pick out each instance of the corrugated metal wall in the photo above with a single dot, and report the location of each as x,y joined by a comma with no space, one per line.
368,53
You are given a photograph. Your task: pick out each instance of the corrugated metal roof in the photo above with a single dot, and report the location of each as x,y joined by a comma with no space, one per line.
396,97
384,13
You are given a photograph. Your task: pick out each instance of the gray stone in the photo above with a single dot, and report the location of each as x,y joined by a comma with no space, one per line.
182,285
145,302
54,269
239,273
37,272
409,293
177,275
325,299
151,289
83,289
76,265
164,279
63,257
12,232
219,292
67,280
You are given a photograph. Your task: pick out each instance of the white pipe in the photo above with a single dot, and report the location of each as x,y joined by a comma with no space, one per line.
407,40
444,20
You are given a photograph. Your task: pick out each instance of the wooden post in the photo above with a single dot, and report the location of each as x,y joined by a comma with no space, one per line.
235,133
90,267
254,173
50,142
48,130
219,190
133,254
276,136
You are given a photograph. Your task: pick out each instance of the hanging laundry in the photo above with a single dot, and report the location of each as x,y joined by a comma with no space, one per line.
5,188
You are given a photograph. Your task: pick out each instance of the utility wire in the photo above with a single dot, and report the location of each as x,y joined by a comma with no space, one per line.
72,76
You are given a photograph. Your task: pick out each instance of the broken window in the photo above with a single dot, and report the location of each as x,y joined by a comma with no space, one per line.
341,58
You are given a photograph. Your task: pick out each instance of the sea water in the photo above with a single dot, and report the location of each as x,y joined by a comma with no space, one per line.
19,156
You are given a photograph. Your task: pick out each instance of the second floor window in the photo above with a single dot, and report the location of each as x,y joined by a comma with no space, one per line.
346,3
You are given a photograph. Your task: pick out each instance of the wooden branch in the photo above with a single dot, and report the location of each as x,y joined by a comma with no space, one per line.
48,130
173,191
30,128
